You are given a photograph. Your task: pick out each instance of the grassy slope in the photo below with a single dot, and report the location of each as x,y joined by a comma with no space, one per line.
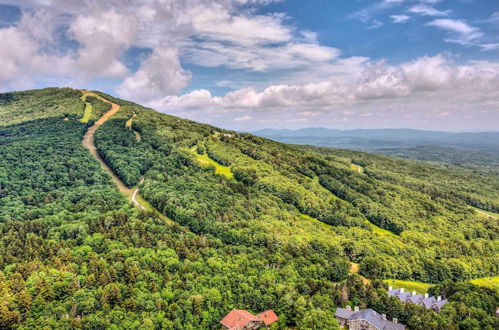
87,114
420,287
18,107
205,160
409,286
487,282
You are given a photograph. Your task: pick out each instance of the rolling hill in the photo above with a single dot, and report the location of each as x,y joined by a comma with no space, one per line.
479,150
376,139
206,220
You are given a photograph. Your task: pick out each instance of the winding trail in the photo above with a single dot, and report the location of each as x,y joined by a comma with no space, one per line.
89,143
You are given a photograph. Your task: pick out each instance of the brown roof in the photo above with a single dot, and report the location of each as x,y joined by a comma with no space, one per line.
268,317
237,319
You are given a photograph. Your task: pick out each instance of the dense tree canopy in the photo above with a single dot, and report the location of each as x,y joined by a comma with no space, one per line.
280,234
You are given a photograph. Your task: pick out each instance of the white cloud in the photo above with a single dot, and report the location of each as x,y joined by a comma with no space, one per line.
216,23
381,81
292,76
375,24
462,32
103,37
290,55
400,18
435,81
159,74
243,118
426,10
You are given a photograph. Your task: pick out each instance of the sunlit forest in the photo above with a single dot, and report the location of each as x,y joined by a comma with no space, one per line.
235,221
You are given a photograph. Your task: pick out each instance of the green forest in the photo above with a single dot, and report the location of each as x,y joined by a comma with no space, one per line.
261,225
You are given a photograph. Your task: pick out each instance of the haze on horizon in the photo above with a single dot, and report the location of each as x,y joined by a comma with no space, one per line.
252,64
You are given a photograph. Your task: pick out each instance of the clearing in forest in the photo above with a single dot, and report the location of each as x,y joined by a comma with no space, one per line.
357,168
409,286
87,114
487,282
205,160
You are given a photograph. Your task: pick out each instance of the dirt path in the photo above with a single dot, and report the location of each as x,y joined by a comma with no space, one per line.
486,214
89,143
134,195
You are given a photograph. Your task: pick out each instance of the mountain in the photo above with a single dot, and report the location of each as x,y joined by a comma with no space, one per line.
376,140
113,215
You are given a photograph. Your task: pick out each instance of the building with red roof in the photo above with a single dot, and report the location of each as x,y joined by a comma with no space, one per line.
239,319
268,317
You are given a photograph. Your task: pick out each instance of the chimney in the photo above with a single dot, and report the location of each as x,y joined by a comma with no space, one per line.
390,288
349,308
413,293
402,290
383,316
356,308
426,296
395,320
439,298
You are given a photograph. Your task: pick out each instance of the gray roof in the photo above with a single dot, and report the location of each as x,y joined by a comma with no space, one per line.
441,303
343,313
416,299
404,296
394,292
375,319
428,302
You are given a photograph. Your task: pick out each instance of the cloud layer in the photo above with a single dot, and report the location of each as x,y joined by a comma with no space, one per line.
303,81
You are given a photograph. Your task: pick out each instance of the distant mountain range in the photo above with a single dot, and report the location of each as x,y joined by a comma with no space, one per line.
390,141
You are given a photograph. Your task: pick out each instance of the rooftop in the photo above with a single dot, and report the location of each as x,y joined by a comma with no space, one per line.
238,318
268,317
370,316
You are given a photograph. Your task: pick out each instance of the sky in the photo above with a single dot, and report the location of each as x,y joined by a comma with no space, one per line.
252,64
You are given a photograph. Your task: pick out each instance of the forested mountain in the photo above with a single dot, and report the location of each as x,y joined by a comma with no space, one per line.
232,221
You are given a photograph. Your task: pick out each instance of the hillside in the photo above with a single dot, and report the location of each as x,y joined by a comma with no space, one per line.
229,220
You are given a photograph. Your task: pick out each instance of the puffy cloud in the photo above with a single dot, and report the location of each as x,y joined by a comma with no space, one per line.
293,78
103,37
429,73
160,74
404,88
13,61
88,40
381,81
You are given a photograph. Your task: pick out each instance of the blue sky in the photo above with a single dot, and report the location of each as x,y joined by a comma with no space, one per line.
249,64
